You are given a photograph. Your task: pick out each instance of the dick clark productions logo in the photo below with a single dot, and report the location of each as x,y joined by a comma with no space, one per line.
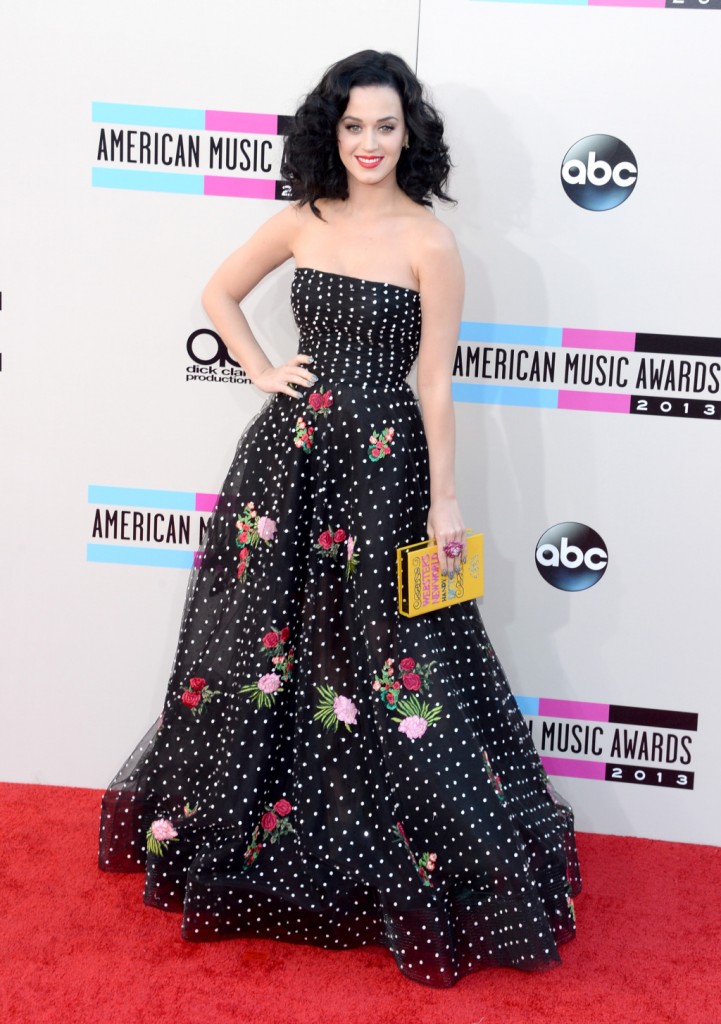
599,172
571,556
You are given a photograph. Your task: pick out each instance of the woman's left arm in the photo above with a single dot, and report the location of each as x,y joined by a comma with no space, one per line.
440,273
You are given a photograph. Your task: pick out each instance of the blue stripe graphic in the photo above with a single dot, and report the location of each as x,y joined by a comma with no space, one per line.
141,497
528,705
510,334
159,117
119,554
494,394
148,181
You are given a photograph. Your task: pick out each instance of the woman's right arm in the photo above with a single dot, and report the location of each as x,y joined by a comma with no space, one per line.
271,245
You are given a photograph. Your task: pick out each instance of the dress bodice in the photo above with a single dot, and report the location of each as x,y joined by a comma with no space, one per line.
356,330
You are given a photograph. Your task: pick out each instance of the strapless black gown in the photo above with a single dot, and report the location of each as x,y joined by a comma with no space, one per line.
325,770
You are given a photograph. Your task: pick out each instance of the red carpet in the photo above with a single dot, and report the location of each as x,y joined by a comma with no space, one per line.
79,946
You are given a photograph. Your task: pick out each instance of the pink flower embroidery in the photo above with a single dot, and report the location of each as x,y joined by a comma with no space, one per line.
266,528
163,830
345,710
269,683
413,727
334,708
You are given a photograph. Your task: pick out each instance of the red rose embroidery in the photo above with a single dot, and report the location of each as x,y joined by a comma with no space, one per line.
268,821
412,681
315,401
406,664
326,540
282,807
284,634
196,683
190,699
271,640
396,686
390,698
327,399
339,536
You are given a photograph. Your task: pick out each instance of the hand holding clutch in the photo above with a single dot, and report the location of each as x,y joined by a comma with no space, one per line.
422,588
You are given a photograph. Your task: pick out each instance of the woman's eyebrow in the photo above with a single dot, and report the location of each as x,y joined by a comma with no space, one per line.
352,117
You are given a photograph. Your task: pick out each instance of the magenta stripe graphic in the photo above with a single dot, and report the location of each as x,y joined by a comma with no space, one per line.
247,124
574,768
205,502
614,341
241,188
593,401
573,709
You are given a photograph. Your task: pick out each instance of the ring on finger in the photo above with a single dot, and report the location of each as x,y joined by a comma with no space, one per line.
453,548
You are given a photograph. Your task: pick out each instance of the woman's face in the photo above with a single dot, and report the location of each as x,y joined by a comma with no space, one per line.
371,133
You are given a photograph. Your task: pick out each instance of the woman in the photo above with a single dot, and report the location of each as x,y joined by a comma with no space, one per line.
325,770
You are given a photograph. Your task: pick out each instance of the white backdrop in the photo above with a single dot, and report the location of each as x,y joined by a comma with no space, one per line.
101,409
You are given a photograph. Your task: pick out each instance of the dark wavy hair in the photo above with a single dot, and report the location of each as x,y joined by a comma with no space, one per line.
310,158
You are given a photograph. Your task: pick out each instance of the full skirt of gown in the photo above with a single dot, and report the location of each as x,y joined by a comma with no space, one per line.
325,770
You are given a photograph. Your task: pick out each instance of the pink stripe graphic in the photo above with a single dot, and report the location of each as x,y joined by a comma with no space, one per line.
205,502
613,341
246,124
573,768
592,401
240,188
573,709
626,3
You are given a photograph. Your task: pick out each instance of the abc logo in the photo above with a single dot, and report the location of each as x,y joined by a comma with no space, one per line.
205,347
599,172
571,556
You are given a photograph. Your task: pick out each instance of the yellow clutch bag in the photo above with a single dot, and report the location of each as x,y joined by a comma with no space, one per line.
421,588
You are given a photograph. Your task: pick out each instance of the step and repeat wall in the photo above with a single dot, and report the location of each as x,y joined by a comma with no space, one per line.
143,144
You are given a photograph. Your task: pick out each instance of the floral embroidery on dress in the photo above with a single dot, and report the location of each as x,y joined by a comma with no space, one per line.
264,690
329,544
162,832
334,708
569,898
303,434
198,695
414,715
273,824
319,403
495,779
425,864
380,443
252,529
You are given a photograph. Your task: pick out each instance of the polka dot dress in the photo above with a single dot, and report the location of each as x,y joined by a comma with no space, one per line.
324,770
